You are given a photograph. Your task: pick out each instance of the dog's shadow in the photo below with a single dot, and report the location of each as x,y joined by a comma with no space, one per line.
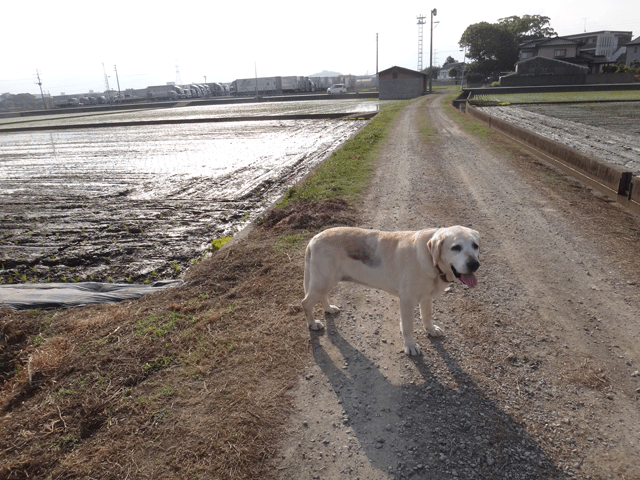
416,428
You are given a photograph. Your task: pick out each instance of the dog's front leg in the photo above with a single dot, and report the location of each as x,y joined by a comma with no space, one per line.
427,321
406,327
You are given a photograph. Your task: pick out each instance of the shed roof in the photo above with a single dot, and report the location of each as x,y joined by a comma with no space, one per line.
405,70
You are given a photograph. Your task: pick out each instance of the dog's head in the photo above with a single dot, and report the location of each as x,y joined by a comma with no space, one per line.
454,251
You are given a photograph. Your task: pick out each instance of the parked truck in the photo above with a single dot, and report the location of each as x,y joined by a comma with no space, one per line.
67,102
165,92
256,86
271,85
217,89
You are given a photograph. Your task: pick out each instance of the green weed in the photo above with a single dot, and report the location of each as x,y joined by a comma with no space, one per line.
161,325
291,242
217,243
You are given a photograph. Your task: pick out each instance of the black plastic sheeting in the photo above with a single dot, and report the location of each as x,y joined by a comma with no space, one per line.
65,295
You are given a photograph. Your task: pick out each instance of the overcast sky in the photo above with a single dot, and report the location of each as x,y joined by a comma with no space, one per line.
69,41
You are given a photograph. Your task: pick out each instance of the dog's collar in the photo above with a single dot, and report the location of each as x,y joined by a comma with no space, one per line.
443,276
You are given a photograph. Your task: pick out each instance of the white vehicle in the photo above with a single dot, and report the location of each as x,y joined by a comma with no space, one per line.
337,88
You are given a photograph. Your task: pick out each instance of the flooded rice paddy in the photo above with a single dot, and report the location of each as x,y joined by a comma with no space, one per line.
141,203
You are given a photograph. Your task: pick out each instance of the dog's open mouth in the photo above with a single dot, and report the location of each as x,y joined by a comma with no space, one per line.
469,280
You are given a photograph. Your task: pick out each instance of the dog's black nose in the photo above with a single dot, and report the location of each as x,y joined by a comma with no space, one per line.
473,265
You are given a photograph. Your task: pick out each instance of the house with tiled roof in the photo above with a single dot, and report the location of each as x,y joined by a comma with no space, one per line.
607,43
563,49
443,74
633,51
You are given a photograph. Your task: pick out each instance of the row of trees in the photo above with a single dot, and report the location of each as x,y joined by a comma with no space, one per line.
20,101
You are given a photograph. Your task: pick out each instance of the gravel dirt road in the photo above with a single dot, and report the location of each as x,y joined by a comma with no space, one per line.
537,376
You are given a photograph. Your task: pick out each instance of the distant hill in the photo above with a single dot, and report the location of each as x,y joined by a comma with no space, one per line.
325,73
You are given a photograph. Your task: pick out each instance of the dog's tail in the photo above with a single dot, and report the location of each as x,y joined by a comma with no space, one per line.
307,269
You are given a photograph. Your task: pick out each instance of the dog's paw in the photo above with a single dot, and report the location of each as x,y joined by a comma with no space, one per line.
316,326
435,331
411,348
332,309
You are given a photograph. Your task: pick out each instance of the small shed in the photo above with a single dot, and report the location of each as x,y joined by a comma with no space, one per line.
398,83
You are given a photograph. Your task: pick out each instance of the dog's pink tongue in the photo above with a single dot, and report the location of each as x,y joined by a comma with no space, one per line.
469,280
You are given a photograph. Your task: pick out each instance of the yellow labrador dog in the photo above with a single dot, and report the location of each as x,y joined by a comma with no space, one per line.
414,266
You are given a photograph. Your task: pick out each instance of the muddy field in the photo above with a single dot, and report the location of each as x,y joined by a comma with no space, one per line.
608,131
140,204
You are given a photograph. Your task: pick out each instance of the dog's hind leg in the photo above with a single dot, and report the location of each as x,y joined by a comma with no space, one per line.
317,285
327,307
314,296
427,318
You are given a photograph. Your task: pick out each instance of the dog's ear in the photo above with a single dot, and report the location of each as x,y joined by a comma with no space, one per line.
433,245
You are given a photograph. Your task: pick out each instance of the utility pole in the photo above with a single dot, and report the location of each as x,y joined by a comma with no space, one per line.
178,77
117,80
40,85
255,66
376,55
464,66
106,83
420,24
434,12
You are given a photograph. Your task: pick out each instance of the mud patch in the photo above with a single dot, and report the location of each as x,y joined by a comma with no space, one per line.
143,204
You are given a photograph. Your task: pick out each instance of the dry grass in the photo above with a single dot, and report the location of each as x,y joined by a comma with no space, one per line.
590,375
189,382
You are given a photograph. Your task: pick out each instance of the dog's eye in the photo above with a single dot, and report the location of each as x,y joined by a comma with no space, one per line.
474,245
456,248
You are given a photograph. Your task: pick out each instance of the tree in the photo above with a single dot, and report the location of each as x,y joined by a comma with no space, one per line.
634,68
433,71
20,101
493,47
449,60
528,27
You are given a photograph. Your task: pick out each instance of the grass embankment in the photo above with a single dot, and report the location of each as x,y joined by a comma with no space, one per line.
191,382
348,170
468,124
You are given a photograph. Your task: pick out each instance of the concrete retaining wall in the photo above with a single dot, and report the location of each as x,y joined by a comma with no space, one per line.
620,181
472,91
590,79
634,194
